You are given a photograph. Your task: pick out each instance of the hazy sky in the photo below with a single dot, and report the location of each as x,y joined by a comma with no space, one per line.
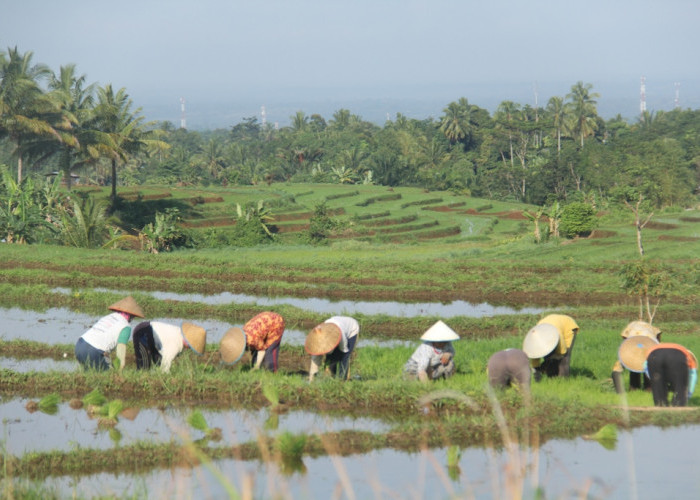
258,50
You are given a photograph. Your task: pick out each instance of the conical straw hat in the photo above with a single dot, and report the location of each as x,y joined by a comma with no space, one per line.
322,339
439,332
232,345
633,352
129,306
540,340
641,328
195,336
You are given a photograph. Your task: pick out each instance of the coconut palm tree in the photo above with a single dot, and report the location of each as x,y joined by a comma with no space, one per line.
125,128
456,123
80,144
582,110
25,110
557,113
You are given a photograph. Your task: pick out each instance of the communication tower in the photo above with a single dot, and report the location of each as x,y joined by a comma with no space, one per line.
677,99
642,96
183,123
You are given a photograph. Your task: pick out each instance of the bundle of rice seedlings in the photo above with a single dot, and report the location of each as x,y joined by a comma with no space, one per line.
49,404
94,398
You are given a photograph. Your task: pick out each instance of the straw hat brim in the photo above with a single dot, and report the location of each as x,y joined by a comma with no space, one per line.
129,306
633,352
195,337
641,328
439,332
540,340
322,339
232,346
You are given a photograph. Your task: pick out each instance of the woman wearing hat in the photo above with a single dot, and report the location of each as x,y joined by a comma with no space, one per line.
335,338
263,337
157,343
671,367
637,378
509,367
549,344
110,332
434,357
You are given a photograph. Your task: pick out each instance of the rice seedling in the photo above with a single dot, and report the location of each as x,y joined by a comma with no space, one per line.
197,421
49,404
606,436
108,413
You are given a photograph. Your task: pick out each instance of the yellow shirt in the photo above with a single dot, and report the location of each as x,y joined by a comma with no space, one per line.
567,330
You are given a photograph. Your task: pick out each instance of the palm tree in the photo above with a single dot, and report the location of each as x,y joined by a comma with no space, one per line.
505,115
25,110
80,144
211,158
456,124
124,126
582,110
299,121
557,112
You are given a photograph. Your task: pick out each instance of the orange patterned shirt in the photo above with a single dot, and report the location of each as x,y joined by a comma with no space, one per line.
263,330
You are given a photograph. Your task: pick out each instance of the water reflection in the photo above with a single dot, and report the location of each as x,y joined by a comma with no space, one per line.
648,462
63,326
68,428
343,307
40,365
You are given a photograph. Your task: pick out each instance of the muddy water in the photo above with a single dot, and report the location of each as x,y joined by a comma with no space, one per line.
68,428
562,469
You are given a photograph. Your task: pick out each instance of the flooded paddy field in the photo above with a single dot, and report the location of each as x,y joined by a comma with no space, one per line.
557,469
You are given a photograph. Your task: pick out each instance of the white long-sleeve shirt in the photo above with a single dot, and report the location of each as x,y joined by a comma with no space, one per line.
169,342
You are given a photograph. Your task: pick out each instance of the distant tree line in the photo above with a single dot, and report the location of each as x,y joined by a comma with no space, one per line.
565,152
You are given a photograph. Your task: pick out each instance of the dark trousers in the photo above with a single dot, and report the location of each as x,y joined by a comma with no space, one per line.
147,354
339,362
271,357
554,367
90,357
668,370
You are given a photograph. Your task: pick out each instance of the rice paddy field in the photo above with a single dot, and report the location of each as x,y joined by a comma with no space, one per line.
404,259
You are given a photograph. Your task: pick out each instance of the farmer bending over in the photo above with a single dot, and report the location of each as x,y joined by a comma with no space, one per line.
157,343
549,344
335,338
263,337
637,378
509,367
671,367
110,332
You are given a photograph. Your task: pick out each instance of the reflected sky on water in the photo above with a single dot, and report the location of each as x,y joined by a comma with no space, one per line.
647,463
344,307
69,428
63,326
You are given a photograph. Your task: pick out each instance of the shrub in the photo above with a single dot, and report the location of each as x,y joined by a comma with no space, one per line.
577,219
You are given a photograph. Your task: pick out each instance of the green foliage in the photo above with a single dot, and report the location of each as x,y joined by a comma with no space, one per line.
321,224
95,398
49,404
577,219
164,234
197,421
252,225
85,223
